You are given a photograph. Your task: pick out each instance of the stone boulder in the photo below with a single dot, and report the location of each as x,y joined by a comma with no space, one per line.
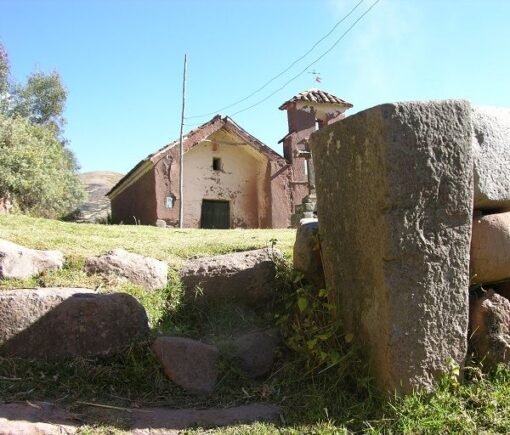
307,252
491,147
395,205
19,262
490,328
189,363
147,272
490,248
58,323
247,277
255,352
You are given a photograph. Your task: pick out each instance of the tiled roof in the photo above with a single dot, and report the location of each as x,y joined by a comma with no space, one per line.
195,136
316,96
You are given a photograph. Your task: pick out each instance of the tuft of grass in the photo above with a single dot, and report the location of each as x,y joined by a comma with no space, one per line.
322,427
479,405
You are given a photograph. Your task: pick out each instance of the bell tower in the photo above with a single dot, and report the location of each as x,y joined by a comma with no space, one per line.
306,113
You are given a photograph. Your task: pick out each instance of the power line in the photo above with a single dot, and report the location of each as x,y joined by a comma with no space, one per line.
311,64
181,149
284,71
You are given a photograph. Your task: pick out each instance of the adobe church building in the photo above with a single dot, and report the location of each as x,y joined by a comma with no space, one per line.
231,179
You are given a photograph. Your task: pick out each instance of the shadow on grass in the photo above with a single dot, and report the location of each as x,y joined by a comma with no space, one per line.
134,378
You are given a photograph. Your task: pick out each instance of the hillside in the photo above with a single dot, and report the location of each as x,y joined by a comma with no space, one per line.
97,184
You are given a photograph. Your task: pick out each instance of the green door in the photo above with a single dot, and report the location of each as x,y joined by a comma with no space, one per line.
215,214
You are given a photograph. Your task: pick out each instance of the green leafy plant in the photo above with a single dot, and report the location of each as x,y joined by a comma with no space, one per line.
309,325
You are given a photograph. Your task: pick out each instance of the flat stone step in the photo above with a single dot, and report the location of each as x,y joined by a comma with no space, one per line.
45,418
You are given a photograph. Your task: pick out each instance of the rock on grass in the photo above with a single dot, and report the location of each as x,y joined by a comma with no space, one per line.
490,328
19,262
147,272
58,323
189,363
246,277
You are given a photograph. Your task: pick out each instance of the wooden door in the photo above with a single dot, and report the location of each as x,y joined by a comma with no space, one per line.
215,214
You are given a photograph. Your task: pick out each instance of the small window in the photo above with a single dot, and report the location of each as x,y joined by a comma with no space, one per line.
169,202
216,164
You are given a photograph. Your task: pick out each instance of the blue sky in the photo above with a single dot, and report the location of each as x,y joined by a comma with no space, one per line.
121,61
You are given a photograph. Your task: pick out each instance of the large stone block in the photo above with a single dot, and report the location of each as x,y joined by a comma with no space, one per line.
490,248
68,322
491,148
395,195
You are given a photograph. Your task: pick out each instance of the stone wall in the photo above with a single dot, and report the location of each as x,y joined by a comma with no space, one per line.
490,244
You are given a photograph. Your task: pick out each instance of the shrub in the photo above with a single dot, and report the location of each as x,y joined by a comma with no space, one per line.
36,170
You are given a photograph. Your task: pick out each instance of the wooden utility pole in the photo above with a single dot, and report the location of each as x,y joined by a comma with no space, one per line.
181,151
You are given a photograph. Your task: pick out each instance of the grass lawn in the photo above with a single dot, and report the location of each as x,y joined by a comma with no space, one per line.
339,400
171,245
77,241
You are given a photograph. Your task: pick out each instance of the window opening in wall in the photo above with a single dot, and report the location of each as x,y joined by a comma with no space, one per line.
216,164
319,123
169,202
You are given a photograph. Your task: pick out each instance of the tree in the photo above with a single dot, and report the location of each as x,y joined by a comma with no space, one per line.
4,79
37,171
41,100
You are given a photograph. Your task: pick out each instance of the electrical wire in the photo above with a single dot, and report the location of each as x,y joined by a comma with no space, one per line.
311,64
282,72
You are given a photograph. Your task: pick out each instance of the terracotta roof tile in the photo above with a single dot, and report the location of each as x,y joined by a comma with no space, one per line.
193,137
315,96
